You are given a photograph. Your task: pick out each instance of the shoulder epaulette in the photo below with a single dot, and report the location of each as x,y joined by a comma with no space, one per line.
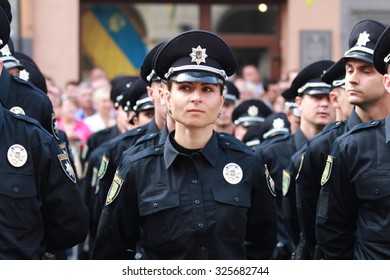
149,151
30,121
227,141
360,127
27,83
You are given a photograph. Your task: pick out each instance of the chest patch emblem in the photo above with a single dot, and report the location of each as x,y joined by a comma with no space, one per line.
232,173
17,155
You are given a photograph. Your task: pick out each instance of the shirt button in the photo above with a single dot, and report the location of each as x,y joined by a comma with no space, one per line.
156,149
237,199
200,225
194,181
16,189
202,249
155,205
197,202
227,143
376,191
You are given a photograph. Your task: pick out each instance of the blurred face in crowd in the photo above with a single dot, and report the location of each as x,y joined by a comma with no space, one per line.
225,118
68,108
316,109
250,73
84,97
339,99
143,117
122,119
364,84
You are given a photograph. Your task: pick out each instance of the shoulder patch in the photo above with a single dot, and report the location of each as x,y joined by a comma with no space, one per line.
327,170
103,167
286,182
67,167
115,188
270,181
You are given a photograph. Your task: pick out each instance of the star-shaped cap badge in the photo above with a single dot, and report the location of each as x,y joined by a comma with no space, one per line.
198,55
363,39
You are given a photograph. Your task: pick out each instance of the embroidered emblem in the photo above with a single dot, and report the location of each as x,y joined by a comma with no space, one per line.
198,55
328,169
17,110
17,155
363,39
103,167
286,182
270,181
232,173
67,167
114,189
253,111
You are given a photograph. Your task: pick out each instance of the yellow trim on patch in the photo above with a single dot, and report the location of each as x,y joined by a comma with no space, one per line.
286,182
327,170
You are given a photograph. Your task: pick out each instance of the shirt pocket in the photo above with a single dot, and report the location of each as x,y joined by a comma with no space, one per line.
373,192
19,205
232,203
160,216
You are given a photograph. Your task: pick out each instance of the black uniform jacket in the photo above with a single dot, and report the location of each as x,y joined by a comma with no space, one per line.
308,183
354,204
183,207
18,94
41,208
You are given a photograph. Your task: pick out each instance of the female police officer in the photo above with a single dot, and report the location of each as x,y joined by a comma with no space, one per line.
200,194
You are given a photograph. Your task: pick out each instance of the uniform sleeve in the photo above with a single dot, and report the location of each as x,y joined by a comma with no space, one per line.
308,186
337,208
64,211
261,226
289,206
118,230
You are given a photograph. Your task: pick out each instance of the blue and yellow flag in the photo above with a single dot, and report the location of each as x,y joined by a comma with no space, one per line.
111,41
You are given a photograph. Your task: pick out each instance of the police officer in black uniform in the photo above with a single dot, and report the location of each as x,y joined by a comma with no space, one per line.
40,202
308,182
311,96
224,123
209,197
352,219
249,113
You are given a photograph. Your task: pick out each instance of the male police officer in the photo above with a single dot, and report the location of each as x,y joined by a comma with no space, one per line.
361,79
312,98
352,219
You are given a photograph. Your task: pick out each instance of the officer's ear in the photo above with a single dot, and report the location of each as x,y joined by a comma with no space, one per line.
1,66
386,81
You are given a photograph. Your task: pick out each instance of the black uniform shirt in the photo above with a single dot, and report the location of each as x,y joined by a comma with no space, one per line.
354,204
186,207
17,94
308,183
40,203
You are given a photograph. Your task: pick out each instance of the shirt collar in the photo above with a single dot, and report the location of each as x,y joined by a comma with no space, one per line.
209,151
